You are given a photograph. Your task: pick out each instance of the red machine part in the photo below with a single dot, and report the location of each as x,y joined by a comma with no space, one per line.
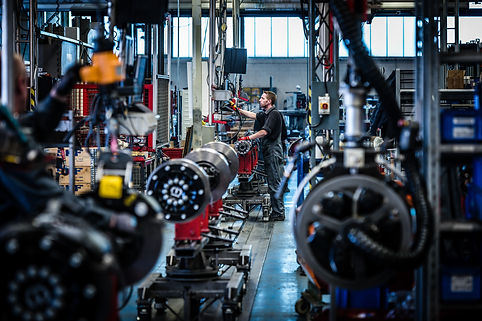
359,7
189,231
248,162
147,100
215,207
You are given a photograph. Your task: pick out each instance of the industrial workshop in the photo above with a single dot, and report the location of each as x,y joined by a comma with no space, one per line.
249,160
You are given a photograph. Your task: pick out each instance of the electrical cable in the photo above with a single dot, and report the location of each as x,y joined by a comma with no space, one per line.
126,299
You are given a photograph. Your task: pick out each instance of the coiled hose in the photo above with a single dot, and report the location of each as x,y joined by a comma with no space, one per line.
423,235
352,36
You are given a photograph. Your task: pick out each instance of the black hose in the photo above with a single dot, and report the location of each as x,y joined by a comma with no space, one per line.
423,236
352,36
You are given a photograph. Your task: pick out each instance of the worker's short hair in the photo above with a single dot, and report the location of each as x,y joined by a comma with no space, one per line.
271,96
18,67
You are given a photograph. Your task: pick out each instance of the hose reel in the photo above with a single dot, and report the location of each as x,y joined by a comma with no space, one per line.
335,210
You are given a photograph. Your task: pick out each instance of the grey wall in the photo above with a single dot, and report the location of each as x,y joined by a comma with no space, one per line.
285,73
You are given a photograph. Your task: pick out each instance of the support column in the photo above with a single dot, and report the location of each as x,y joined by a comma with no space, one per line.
7,53
196,74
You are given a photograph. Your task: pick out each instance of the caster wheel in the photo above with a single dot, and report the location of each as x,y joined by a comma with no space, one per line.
302,306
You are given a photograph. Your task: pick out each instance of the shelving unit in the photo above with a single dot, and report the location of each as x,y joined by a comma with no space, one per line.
429,99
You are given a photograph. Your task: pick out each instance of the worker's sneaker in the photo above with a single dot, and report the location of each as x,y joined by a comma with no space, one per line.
277,218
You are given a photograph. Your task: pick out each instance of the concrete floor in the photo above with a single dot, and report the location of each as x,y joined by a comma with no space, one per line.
274,284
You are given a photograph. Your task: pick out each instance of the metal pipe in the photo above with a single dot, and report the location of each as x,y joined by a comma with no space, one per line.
354,99
67,39
32,14
155,71
236,23
212,36
311,78
169,46
169,58
7,54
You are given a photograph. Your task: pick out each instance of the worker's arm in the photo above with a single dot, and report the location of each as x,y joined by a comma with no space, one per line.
48,114
258,134
246,113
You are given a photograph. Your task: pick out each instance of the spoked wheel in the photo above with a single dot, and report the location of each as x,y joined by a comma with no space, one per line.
331,215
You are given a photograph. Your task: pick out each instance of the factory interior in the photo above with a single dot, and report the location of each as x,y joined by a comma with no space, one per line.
250,160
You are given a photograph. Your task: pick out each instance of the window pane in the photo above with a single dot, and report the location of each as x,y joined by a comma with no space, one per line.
451,22
470,28
205,36
297,44
165,36
451,36
229,32
185,37
367,28
141,41
395,36
279,31
263,37
409,36
379,36
249,36
343,50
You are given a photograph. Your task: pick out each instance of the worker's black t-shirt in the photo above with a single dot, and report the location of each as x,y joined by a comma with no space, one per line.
271,121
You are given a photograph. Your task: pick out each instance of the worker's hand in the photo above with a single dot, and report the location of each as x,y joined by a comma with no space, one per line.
245,138
68,81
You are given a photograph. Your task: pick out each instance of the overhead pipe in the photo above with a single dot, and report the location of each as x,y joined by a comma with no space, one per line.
212,36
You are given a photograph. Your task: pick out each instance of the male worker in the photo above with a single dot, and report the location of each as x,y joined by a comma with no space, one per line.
270,135
45,118
25,186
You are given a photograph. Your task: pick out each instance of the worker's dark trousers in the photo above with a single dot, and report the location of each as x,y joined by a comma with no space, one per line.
273,166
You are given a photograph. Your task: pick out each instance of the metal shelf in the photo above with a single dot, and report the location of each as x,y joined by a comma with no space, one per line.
461,148
447,93
469,306
460,226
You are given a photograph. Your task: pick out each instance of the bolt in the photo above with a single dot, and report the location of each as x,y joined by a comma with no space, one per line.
76,260
12,246
89,291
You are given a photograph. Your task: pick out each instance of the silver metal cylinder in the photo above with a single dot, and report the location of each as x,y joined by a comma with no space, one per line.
354,99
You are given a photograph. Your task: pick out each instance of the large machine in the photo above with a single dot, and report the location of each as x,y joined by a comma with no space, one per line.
71,256
358,229
190,192
251,190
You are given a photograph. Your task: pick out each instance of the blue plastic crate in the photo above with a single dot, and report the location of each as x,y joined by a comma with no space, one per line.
374,298
460,283
461,125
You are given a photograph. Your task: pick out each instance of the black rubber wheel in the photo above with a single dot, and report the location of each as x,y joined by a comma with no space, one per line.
302,306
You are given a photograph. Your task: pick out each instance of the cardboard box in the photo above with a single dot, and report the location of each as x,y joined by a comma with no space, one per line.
82,156
79,188
455,79
82,176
